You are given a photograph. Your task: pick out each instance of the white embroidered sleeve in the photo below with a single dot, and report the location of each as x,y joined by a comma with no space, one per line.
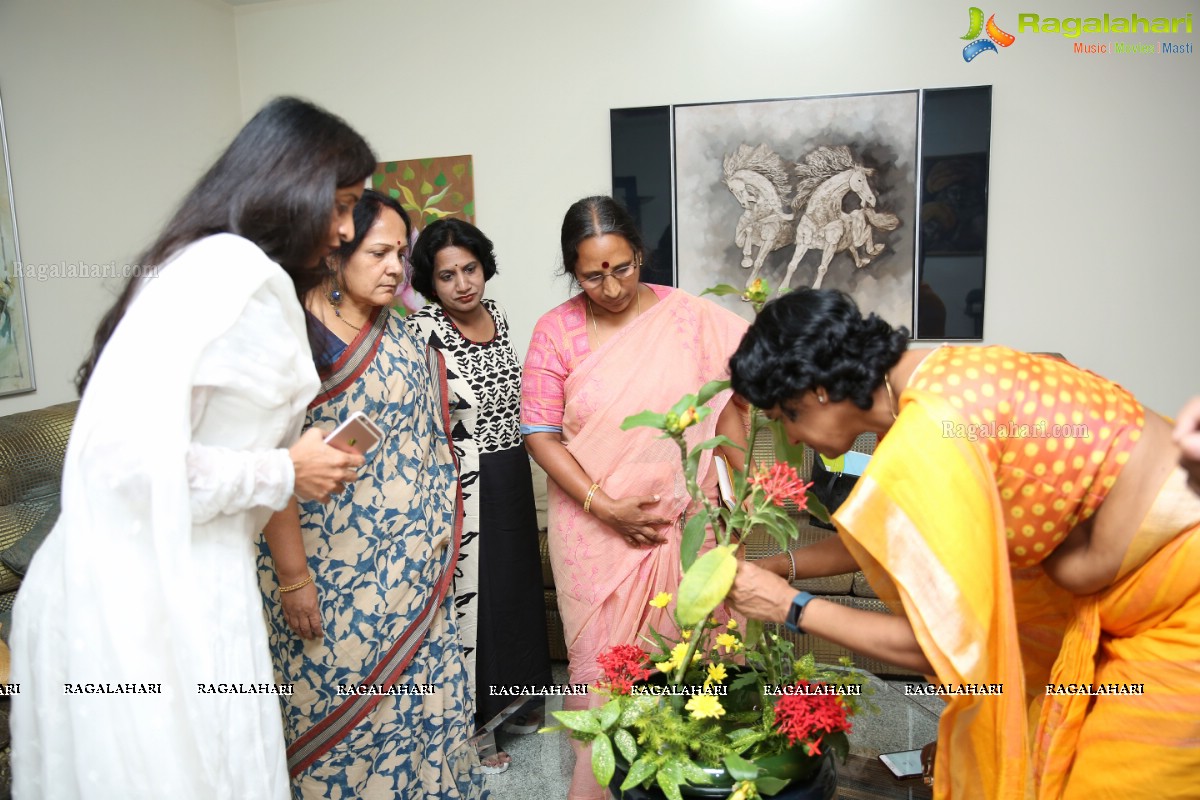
226,481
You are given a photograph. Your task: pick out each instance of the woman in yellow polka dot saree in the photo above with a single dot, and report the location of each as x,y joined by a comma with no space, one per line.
1029,524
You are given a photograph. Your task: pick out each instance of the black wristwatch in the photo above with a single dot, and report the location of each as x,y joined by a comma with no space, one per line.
796,612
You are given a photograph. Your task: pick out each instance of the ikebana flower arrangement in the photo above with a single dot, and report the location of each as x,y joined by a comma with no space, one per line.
711,704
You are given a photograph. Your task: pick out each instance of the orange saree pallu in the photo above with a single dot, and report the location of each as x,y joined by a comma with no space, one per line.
950,529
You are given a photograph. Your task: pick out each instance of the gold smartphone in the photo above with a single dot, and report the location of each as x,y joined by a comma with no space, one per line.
358,433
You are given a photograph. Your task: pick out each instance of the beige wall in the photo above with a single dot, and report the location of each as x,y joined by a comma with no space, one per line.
1094,172
113,108
1094,168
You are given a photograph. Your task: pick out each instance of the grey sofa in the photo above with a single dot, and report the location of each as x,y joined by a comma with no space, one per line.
33,446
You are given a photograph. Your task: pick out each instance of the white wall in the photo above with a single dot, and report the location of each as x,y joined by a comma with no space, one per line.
1094,214
113,109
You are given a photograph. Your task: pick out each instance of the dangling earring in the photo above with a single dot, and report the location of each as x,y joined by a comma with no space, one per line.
334,296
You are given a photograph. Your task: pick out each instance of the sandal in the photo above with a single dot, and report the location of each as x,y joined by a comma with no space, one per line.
528,722
496,763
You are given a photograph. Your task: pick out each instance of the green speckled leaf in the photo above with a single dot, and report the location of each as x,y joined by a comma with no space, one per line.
626,744
603,761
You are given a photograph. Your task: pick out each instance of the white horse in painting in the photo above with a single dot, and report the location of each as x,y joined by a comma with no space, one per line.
827,175
758,179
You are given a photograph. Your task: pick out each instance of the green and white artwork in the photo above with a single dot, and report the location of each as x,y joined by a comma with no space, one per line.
16,359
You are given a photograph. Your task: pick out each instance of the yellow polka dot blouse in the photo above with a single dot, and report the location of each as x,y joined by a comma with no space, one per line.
1056,436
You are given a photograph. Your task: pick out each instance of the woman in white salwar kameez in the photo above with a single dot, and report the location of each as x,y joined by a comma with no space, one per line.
138,638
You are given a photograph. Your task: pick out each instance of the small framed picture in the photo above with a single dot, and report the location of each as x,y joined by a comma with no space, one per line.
16,357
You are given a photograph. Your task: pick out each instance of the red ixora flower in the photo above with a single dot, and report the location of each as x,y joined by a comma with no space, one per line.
781,483
805,717
623,665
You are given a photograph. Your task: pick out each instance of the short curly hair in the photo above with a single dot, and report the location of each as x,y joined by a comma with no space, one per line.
437,236
815,337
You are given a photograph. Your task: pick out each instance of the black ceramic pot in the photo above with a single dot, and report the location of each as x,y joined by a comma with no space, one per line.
821,785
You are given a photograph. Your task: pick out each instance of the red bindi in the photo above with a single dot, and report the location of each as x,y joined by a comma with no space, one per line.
604,264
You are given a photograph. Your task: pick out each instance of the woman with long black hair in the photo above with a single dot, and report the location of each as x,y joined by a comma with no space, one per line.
138,635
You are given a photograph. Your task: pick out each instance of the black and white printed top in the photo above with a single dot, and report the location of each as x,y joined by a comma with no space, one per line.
485,377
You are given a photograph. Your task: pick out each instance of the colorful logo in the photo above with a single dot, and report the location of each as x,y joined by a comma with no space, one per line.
995,36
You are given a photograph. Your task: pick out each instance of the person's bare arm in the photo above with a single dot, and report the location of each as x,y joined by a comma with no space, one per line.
732,425
819,560
1090,558
762,595
625,515
286,543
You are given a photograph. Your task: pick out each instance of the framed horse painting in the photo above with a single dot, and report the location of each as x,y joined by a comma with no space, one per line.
816,192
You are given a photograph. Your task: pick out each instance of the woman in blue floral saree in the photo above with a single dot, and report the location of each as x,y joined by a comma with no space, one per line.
379,698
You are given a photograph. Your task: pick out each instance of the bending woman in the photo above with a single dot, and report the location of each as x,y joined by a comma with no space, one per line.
616,497
197,381
1030,526
501,608
361,617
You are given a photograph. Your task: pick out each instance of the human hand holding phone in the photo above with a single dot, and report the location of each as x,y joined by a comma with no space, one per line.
357,434
321,469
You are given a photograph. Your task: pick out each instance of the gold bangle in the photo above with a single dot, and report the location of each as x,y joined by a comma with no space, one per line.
587,502
792,565
296,586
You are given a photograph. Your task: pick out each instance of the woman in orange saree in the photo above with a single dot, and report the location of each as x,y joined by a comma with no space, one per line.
1030,526
616,497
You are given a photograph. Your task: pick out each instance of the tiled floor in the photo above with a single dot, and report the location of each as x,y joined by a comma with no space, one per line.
542,763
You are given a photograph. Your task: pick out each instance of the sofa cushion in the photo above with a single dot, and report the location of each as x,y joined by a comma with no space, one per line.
861,588
554,627
17,522
544,553
18,556
33,445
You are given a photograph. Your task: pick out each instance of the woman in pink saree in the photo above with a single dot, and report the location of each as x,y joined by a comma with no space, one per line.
616,498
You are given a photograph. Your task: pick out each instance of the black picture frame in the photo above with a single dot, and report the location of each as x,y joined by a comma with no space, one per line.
951,247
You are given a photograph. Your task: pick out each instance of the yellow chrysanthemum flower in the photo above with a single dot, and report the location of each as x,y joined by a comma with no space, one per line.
666,666
686,635
732,624
661,599
716,674
729,642
705,706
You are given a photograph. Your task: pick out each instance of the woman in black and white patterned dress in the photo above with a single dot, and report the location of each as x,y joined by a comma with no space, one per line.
502,615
